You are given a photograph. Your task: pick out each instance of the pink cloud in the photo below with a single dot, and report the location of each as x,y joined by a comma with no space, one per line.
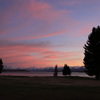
38,10
51,57
26,55
24,47
42,10
27,37
39,55
84,30
58,53
15,54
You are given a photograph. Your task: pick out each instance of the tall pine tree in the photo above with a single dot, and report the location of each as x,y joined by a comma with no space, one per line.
92,53
1,65
56,71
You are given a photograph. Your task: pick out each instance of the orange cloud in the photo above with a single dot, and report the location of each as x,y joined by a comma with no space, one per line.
28,55
15,54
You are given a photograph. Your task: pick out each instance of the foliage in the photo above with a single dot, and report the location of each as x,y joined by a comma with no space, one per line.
66,70
92,53
1,65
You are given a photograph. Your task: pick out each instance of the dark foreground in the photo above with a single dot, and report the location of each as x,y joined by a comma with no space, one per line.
49,88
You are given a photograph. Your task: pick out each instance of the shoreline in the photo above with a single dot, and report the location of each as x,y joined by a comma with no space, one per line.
32,74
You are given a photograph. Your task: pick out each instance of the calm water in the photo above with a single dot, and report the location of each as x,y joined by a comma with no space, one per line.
31,74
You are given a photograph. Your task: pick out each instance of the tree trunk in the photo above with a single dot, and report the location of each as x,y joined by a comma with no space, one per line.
97,77
97,72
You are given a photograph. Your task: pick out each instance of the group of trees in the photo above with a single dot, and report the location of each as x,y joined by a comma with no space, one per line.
66,70
91,55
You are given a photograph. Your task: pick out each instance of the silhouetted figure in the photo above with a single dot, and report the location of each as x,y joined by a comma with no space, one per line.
66,70
92,53
56,71
1,65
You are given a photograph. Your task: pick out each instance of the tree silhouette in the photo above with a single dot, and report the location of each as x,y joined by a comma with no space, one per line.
1,65
66,70
56,71
92,53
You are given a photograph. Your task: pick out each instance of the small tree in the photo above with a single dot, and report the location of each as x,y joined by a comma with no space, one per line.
56,71
92,53
1,65
66,70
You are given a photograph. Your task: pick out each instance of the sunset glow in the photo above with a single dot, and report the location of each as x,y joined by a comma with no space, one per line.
43,33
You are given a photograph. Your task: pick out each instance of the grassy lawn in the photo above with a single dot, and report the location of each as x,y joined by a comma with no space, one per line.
49,88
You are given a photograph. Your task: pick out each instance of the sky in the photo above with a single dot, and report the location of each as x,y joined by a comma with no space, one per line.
43,33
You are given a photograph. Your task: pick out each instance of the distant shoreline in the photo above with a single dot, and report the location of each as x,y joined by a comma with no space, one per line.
15,71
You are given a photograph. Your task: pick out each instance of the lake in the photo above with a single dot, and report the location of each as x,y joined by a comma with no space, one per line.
32,74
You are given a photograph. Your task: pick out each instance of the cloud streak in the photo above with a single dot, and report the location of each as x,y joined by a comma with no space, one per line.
45,33
32,10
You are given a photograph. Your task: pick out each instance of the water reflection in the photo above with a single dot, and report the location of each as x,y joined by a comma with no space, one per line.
31,74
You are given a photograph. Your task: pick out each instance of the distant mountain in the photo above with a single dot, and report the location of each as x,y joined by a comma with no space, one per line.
46,69
77,69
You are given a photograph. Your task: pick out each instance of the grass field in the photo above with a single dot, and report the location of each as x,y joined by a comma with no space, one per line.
49,88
